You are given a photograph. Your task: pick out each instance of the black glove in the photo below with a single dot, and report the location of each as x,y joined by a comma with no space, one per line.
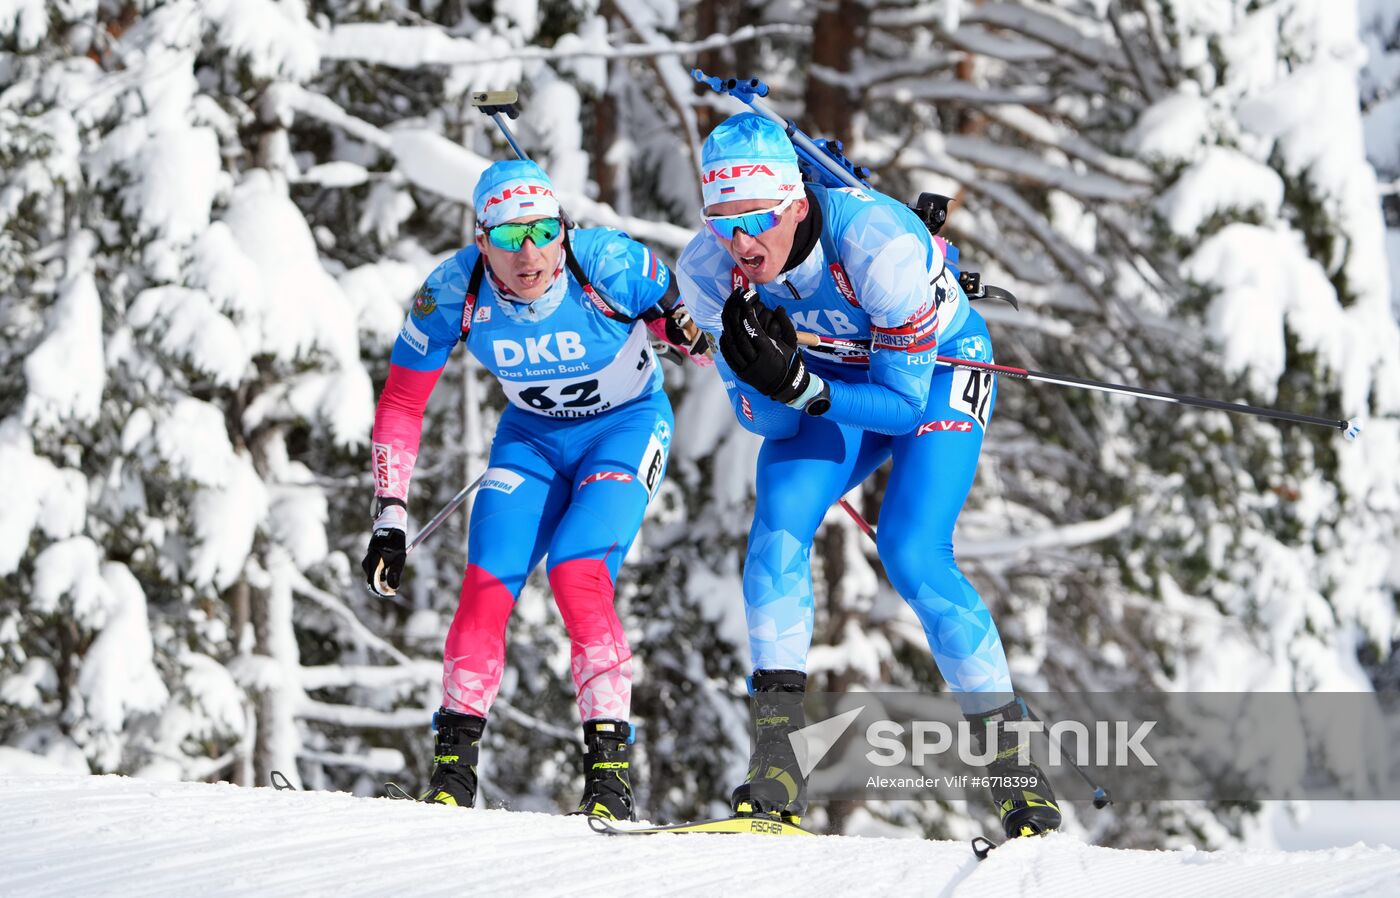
383,564
760,346
684,334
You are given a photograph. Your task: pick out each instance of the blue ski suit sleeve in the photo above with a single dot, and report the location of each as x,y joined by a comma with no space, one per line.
628,274
887,263
433,326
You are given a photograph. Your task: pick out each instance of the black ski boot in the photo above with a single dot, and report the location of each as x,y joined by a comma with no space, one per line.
1021,792
775,786
454,759
607,790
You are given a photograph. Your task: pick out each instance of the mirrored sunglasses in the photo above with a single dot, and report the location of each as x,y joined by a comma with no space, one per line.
751,223
511,236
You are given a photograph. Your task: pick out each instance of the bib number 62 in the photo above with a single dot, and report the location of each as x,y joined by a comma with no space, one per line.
580,394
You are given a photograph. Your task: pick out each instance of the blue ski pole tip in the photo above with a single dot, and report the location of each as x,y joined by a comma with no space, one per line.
1353,429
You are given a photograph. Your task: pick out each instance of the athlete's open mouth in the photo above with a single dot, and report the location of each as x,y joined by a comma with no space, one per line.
529,278
753,263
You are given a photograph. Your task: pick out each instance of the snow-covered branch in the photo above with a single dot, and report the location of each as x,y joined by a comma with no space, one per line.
985,42
364,718
506,709
374,760
410,718
962,91
409,47
674,77
333,676
1047,133
1042,22
1147,82
1028,166
320,106
434,163
1055,537
358,630
1074,261
1002,315
881,72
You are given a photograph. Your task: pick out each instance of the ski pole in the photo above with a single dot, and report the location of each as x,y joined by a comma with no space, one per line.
427,530
861,522
1350,429
452,505
1102,798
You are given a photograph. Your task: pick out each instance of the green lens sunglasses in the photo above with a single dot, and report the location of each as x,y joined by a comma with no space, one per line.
511,236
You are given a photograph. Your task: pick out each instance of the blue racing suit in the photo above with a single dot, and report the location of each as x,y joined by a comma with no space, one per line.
577,455
876,278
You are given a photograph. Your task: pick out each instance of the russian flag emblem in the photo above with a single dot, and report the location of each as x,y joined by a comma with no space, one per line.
724,190
527,204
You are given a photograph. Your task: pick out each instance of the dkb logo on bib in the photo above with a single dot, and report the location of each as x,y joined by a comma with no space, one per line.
567,346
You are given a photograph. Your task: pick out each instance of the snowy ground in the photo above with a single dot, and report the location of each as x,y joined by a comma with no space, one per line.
114,836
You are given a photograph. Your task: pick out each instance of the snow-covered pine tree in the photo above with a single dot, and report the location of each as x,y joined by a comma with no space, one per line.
174,342
1380,105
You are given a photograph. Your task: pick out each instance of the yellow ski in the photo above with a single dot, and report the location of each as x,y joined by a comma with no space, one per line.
758,825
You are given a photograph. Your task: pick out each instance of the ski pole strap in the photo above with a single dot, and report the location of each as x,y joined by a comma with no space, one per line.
1350,429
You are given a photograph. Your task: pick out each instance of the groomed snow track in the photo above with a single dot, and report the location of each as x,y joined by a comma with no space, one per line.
114,836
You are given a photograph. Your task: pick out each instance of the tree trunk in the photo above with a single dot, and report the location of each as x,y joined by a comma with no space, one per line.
278,742
240,600
838,36
604,171
724,17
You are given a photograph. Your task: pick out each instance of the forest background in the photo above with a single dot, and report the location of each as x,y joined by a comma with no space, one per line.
213,216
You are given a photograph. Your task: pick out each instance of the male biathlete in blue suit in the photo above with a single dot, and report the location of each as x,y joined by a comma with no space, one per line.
557,315
778,256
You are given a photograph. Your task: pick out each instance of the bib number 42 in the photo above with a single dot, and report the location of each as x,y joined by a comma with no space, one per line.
972,393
